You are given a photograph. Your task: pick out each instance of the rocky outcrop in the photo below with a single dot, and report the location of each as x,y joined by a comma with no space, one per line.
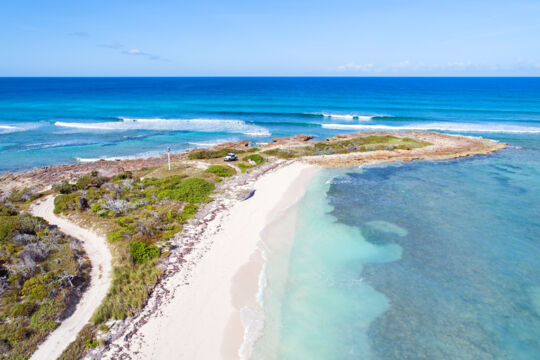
288,141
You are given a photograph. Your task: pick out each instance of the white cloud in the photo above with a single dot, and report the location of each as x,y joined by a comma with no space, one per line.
132,51
356,67
451,67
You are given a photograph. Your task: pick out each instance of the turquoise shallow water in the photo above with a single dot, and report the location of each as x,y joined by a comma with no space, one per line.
422,260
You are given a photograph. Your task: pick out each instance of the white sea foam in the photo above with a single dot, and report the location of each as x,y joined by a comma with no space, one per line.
144,155
455,127
200,125
348,117
205,144
6,129
253,318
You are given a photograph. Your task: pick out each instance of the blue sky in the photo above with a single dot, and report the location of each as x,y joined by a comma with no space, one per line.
248,38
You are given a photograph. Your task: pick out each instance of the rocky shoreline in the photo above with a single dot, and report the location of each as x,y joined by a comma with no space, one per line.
444,146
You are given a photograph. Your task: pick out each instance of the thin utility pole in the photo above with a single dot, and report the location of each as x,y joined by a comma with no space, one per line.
169,156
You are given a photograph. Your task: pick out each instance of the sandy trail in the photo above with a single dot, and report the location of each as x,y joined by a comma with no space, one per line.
101,275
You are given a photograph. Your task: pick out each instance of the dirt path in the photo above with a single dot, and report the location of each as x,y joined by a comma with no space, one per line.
101,275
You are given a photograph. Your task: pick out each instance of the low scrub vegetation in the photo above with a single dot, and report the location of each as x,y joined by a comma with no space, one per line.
23,196
140,215
42,273
255,158
221,171
359,144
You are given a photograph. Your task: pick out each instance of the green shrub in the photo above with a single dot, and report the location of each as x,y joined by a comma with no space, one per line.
125,221
90,180
66,202
64,187
120,234
37,287
6,210
91,343
258,159
24,195
22,223
190,209
123,176
23,309
192,190
221,170
142,252
154,184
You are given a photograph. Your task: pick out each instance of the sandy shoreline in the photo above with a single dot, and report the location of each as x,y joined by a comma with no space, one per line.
196,312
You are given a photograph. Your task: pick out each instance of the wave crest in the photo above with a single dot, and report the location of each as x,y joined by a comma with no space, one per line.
347,116
6,129
197,125
451,127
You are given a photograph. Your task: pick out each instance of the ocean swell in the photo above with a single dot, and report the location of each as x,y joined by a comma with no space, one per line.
196,125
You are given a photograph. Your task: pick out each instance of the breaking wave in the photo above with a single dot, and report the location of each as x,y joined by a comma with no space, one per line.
6,129
198,125
452,127
347,116
206,144
145,155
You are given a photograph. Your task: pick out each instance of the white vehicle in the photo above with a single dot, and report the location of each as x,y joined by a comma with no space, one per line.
230,157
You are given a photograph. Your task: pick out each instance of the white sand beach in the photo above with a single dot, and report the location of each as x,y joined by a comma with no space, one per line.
201,317
101,276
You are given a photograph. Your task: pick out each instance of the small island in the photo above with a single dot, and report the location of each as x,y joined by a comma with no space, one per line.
156,236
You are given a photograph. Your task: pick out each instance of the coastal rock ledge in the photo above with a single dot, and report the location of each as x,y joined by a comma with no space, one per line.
441,146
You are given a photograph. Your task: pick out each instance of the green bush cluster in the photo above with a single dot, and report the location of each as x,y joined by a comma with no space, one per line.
91,343
24,195
142,252
66,202
192,190
6,210
64,187
90,180
221,170
123,176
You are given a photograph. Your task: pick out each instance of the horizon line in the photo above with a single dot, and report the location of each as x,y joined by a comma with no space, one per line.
265,76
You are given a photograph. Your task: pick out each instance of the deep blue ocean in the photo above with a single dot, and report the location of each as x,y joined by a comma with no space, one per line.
421,260
46,121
